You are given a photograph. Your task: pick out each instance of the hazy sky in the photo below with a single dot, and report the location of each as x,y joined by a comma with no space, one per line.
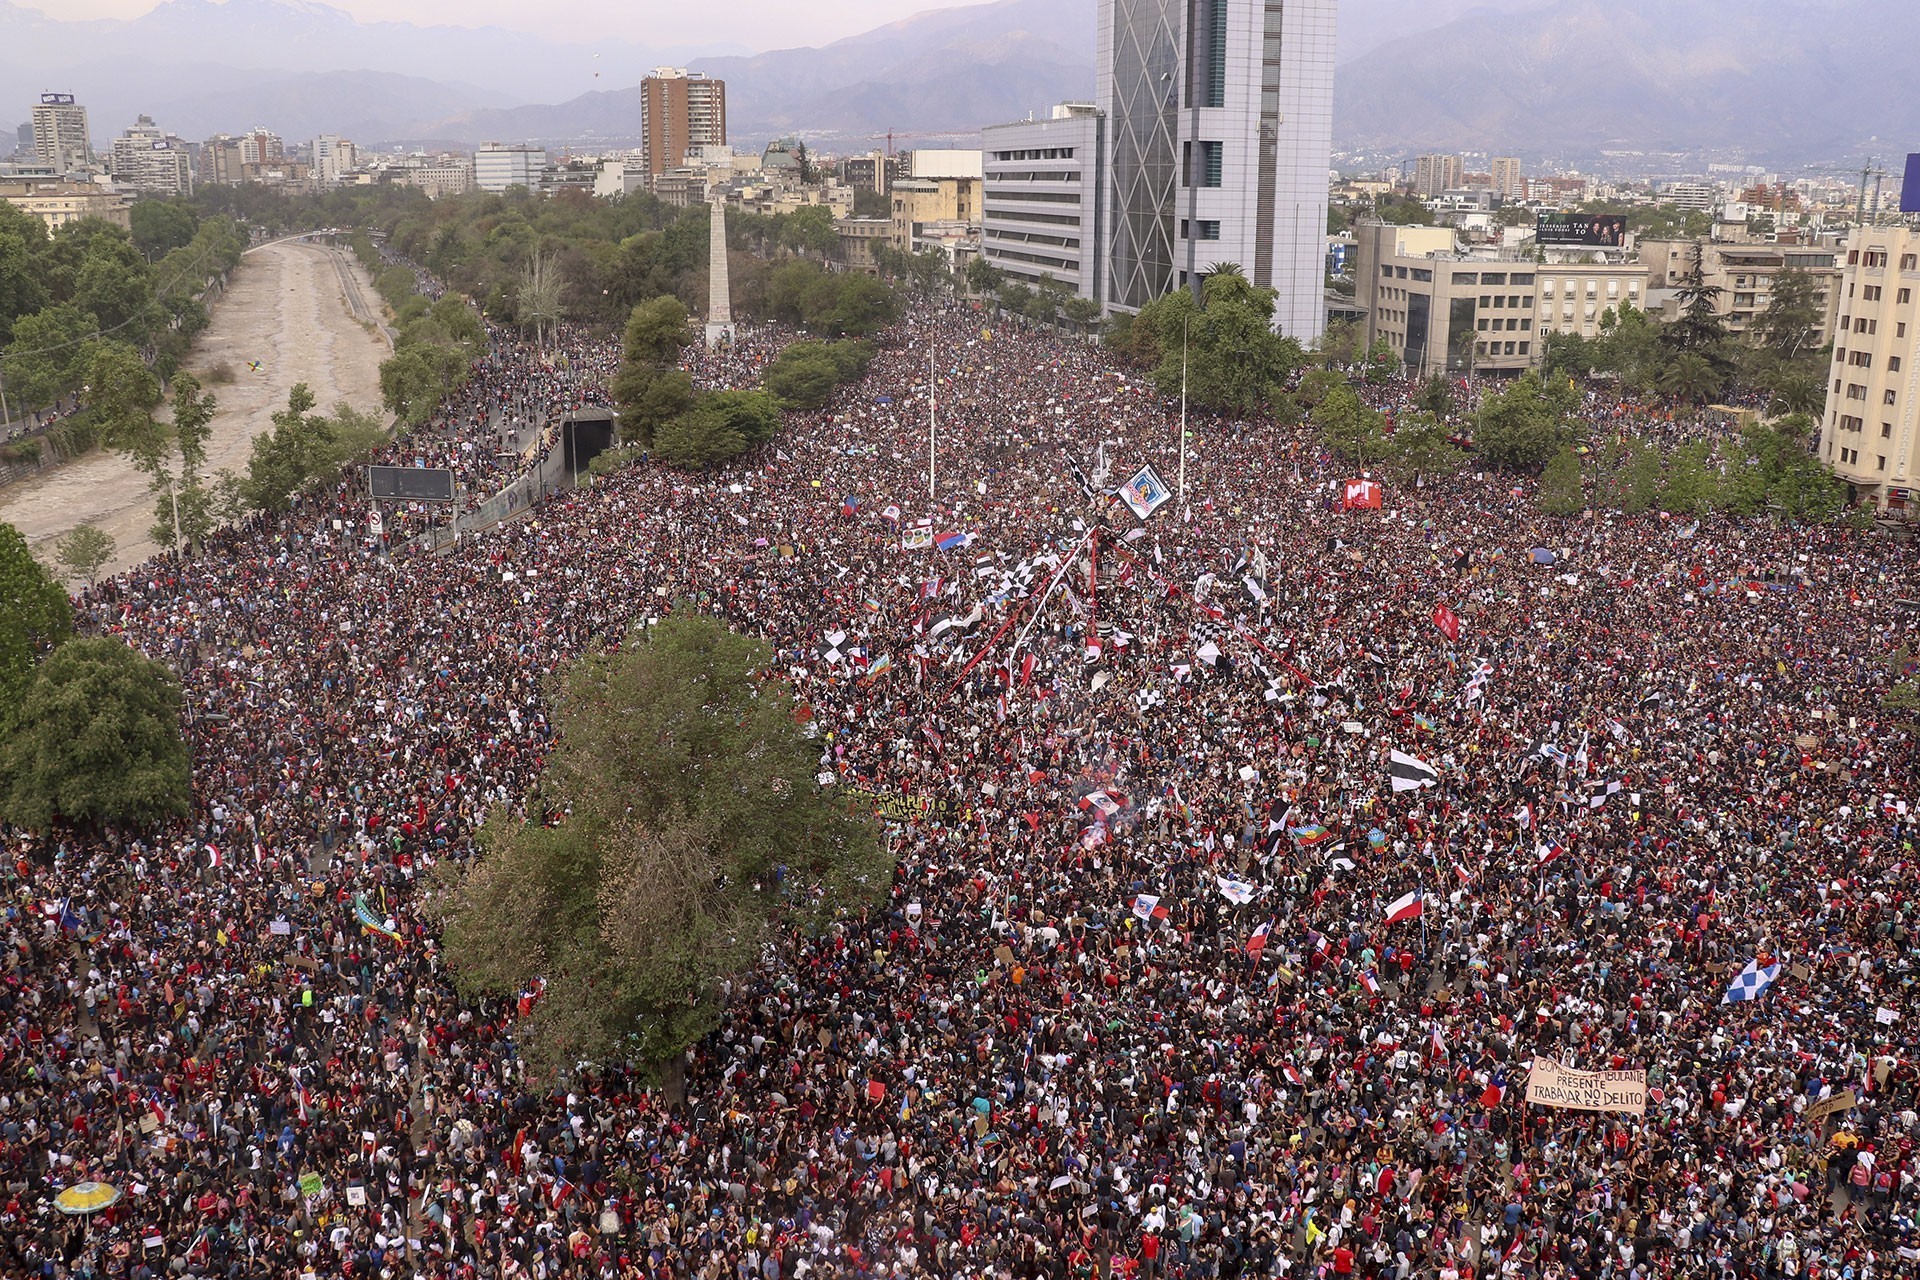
753,24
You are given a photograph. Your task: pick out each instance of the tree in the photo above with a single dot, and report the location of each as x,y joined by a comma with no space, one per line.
1698,330
806,373
541,296
678,825
35,617
982,276
160,226
1519,429
1436,397
1791,323
121,395
1350,429
305,447
97,739
1382,362
1692,487
810,230
1691,377
1421,450
82,550
47,358
650,389
1560,492
1222,347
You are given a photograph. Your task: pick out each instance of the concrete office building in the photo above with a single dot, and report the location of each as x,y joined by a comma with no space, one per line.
917,201
499,165
332,156
57,203
679,111
1042,213
1219,120
151,161
1485,311
1870,435
60,137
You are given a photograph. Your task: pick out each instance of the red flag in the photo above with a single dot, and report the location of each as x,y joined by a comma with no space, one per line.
1362,495
1448,621
1026,670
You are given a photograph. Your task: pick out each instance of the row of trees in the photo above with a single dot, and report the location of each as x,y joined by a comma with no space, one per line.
64,296
89,729
662,413
1765,469
436,342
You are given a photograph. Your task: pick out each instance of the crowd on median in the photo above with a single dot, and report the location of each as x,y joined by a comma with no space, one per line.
1148,998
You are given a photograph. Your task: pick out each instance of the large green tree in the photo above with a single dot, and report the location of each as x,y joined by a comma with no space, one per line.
1524,425
650,388
1224,344
96,739
35,617
677,829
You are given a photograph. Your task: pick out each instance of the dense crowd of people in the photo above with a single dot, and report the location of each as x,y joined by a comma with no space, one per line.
1149,997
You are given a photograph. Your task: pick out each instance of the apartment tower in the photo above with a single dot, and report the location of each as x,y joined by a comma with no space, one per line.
680,110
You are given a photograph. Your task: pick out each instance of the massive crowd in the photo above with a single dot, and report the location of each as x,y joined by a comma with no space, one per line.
1060,1049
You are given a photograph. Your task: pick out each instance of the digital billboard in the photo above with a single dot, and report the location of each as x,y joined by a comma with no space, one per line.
1597,230
421,484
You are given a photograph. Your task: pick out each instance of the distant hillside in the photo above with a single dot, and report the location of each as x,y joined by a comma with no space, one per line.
1783,81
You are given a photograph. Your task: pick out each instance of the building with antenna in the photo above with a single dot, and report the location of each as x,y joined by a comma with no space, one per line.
60,137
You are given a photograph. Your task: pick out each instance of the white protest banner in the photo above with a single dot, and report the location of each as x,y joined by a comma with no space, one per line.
1550,1084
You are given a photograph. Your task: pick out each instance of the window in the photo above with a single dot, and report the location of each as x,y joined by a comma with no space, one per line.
1893,364
1207,229
1888,397
1870,293
1886,431
1900,329
1882,466
1904,296
1210,160
1466,277
1524,347
1906,261
1521,278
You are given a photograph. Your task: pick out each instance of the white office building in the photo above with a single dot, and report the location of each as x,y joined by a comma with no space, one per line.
1042,198
498,166
1219,119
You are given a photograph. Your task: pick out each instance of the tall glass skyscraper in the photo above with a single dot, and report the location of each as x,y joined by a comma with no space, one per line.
1220,124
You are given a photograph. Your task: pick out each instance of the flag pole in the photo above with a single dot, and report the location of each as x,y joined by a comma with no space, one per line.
1183,413
931,455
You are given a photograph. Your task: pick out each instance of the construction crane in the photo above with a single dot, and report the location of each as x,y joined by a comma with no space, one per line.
1868,170
949,136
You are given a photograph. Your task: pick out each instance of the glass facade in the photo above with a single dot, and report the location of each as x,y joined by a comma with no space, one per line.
1141,95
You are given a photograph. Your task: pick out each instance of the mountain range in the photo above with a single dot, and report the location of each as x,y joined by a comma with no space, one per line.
1784,81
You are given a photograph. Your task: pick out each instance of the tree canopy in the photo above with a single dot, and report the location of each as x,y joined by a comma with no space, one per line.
35,617
96,739
1234,361
678,827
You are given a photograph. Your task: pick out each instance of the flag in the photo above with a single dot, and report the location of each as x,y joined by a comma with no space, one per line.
891,514
1407,906
918,538
214,857
1545,853
1107,802
1361,495
879,667
1371,983
1258,942
1459,869
1752,982
1311,834
1147,907
1436,1040
1496,1090
560,1191
951,541
1448,621
1599,797
1409,773
1376,838
935,738
849,505
1524,815
829,648
1238,892
1293,1076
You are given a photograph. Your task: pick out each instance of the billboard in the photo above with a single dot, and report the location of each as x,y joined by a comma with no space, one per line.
421,484
1910,188
1597,230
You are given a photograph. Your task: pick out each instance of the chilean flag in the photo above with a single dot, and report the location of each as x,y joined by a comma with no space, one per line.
1545,853
1371,983
1258,942
1496,1090
1293,1077
1407,906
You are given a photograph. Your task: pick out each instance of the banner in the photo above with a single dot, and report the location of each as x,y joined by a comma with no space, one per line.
1551,1085
1843,1101
894,807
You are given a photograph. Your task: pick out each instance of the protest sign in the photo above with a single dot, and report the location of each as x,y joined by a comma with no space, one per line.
1550,1084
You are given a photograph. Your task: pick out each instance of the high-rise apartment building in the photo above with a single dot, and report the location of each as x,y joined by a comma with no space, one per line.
1871,432
680,110
152,161
332,156
60,136
498,165
220,161
261,146
1219,119
1508,183
1435,174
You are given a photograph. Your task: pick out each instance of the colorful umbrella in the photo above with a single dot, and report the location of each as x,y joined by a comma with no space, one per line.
86,1197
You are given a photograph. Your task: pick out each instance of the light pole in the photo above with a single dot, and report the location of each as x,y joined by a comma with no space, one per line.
1183,413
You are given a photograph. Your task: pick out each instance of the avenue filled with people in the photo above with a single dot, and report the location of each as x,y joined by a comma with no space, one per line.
1248,854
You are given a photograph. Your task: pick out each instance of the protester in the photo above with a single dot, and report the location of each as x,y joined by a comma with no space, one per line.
1134,1007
